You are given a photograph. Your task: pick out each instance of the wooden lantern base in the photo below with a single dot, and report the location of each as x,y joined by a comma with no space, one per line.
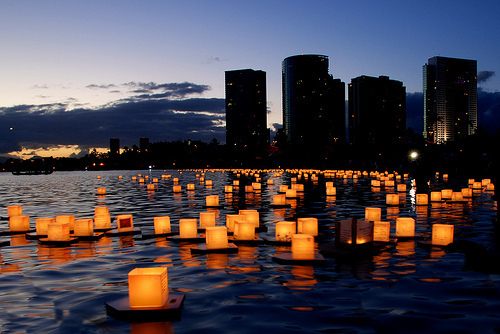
34,236
274,242
202,249
95,236
213,206
116,233
179,239
171,311
159,235
253,242
278,206
9,232
57,243
417,236
287,258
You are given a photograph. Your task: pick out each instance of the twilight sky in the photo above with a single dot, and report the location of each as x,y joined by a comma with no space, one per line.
76,73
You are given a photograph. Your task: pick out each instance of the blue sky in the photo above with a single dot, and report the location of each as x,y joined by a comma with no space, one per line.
70,64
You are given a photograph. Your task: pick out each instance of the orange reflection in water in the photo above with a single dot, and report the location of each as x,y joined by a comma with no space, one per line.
152,328
216,261
127,241
304,278
279,214
84,249
55,255
406,264
185,255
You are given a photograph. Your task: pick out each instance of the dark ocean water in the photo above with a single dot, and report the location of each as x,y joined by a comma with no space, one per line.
404,288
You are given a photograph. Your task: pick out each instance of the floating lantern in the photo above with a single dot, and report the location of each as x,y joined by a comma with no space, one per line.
228,189
291,193
155,180
284,231
279,199
176,180
207,219
98,210
436,196
190,186
98,176
422,199
176,189
442,234
58,231
490,187
466,192
212,200
381,231
248,189
457,196
101,191
208,183
270,181
148,287
230,221
308,225
162,224
389,183
298,187
125,223
120,177
244,230
477,185
150,187
392,199
353,232
70,219
141,180
83,227
401,187
283,188
373,214
302,247
446,193
188,228
405,227
375,183
19,223
485,182
331,191
216,237
14,210
102,221
471,181
251,216
42,225
236,183
134,178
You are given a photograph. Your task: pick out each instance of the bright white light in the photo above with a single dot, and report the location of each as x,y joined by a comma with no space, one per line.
413,155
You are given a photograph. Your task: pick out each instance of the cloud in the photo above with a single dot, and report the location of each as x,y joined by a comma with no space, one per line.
210,60
484,76
175,116
94,86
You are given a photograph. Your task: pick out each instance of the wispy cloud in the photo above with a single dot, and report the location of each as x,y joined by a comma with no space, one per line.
484,76
211,60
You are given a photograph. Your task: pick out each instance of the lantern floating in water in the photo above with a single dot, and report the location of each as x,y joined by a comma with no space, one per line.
212,200
375,183
98,210
405,227
436,196
236,183
283,188
392,199
208,183
401,187
162,224
190,186
485,182
42,225
284,231
102,221
490,187
216,237
353,232
252,216
244,230
303,247
101,191
381,231
331,191
228,189
148,287
83,227
466,192
14,210
207,219
58,231
248,189
270,181
188,228
175,180
19,223
477,186
446,193
256,186
457,196
307,225
279,200
177,189
125,223
442,234
422,199
150,187
230,221
70,219
373,214
291,193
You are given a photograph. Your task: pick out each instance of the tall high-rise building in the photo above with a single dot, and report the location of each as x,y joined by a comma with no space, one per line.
246,110
313,104
450,99
377,111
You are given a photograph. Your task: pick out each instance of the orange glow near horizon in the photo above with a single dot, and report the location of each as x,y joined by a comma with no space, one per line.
56,151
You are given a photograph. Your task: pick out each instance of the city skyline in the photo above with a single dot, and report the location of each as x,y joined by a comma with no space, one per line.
129,70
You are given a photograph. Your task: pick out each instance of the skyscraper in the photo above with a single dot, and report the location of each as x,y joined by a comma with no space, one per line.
450,99
246,110
377,111
313,104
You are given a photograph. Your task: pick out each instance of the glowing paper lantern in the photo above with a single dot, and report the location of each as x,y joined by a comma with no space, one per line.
256,186
436,196
148,287
248,189
102,221
270,181
251,216
230,221
422,199
70,219
58,231
392,199
331,191
236,183
188,228
279,199
14,210
216,237
208,183
125,223
291,193
329,184
373,214
101,191
212,200
244,230
308,225
466,192
190,186
353,232
207,219
98,210
405,227
442,234
401,187
477,186
42,225
446,193
490,187
457,196
19,223
381,231
228,189
283,188
485,182
176,180
284,231
162,224
302,247
176,189
83,227
298,187
375,183
150,187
